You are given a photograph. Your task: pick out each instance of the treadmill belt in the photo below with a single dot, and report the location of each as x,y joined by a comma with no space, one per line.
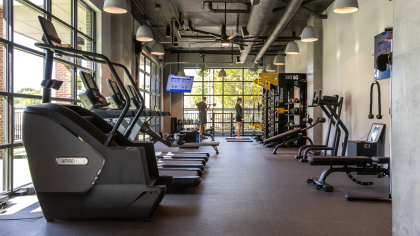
233,139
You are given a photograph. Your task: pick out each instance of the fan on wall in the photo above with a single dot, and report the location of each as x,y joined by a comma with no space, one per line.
201,70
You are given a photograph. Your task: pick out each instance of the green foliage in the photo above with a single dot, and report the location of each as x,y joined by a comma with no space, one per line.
234,84
24,102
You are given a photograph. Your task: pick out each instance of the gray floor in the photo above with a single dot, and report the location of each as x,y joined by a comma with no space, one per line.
245,191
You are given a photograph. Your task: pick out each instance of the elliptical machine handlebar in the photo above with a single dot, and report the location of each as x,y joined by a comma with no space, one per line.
52,44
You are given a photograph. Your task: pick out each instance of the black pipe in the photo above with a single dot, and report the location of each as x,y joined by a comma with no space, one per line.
48,66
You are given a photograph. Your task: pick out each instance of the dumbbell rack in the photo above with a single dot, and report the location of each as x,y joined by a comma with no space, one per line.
185,124
276,97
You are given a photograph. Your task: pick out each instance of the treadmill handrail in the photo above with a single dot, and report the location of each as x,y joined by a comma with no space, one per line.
104,60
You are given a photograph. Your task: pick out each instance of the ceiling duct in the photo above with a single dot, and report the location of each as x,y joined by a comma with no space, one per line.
256,23
291,10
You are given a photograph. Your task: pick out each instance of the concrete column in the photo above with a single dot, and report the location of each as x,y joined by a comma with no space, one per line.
405,110
314,77
122,45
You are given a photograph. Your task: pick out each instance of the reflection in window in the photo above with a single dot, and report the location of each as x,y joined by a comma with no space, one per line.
84,19
147,100
27,29
147,83
27,80
141,80
147,68
62,9
142,62
21,174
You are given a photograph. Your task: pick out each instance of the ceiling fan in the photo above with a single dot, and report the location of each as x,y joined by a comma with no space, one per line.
223,38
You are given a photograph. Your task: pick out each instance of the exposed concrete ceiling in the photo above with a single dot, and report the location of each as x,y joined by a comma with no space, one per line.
205,20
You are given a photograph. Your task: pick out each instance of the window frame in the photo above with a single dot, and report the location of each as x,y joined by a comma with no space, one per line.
8,76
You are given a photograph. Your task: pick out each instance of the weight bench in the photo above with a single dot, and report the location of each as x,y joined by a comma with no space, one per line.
359,165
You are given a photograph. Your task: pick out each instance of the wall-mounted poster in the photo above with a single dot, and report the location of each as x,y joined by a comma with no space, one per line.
383,45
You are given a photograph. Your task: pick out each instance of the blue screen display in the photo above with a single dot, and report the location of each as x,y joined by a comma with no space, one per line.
180,85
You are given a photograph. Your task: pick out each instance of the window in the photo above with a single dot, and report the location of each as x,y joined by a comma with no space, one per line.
17,51
224,93
149,85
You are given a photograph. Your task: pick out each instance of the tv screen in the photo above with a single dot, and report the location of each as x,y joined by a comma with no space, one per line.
181,85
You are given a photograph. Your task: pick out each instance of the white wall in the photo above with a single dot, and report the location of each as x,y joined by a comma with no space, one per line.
348,64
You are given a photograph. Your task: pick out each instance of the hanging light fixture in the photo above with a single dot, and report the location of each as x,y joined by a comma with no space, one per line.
158,49
279,60
346,6
309,34
222,73
168,31
225,43
292,48
144,34
181,73
264,71
115,6
175,42
271,68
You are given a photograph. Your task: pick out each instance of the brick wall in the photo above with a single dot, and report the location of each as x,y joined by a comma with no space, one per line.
63,74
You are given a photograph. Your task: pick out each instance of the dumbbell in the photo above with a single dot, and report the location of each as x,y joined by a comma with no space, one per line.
294,100
308,120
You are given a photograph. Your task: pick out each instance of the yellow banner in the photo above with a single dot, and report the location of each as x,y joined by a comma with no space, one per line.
272,78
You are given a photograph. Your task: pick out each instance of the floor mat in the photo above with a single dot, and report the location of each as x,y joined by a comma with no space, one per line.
233,139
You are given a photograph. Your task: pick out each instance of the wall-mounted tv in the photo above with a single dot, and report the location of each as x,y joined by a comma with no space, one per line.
180,85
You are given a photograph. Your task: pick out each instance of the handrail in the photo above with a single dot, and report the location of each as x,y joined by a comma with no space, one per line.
105,60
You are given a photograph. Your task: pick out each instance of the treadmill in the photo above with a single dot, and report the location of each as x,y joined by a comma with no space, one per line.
52,45
92,94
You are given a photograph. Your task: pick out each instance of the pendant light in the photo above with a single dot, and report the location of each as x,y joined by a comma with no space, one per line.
144,34
292,48
181,73
115,6
309,34
168,31
158,49
222,73
271,68
279,60
264,71
346,6
175,42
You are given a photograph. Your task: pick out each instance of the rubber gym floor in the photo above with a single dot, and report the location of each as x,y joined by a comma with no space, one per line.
245,190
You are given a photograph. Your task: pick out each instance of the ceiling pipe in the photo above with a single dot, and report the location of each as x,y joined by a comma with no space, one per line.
291,11
279,39
259,15
202,32
223,53
223,11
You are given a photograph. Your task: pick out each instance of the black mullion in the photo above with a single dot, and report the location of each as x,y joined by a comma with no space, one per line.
47,6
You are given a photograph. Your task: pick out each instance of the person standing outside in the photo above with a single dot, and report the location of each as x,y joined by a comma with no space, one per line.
239,116
202,108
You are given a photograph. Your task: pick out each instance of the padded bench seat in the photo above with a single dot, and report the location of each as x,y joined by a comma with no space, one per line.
339,160
382,160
